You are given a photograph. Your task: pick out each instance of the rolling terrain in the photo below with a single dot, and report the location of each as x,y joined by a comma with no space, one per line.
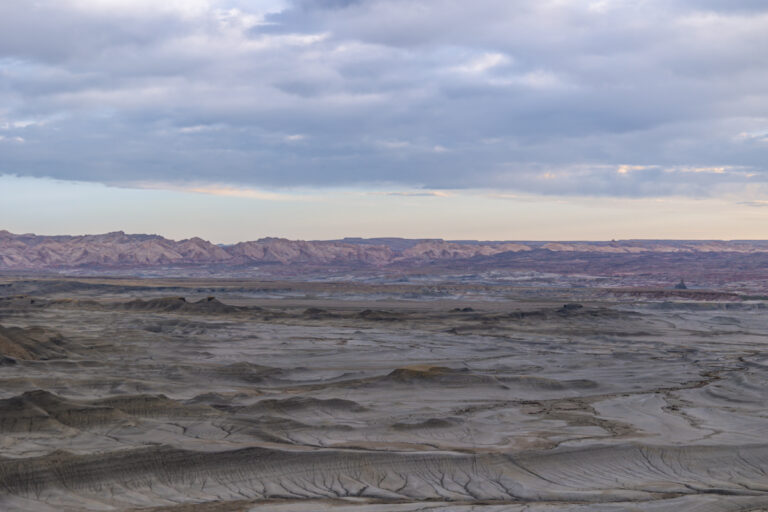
203,395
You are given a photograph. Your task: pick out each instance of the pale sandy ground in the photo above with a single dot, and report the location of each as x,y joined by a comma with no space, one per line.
327,397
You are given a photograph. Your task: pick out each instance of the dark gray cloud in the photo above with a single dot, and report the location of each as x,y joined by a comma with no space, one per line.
601,97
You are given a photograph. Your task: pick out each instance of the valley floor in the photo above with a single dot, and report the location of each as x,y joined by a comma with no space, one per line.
192,395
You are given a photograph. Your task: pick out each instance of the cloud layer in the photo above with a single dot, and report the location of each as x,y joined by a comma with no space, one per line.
601,97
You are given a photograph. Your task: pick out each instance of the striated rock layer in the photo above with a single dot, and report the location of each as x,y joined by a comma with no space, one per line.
121,251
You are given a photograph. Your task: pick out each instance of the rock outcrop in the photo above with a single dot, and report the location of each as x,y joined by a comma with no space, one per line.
120,250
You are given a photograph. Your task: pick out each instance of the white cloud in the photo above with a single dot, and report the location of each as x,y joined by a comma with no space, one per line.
222,190
17,140
482,63
626,169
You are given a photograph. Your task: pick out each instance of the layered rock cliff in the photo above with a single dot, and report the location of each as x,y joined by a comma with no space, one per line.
120,250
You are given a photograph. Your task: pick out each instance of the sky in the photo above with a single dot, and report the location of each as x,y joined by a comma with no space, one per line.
316,119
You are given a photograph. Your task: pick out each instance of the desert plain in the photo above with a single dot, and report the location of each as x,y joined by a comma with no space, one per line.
203,394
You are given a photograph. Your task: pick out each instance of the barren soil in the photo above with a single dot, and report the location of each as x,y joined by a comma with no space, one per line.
220,395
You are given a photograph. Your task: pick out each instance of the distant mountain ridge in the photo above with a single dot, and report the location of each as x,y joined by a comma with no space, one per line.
121,250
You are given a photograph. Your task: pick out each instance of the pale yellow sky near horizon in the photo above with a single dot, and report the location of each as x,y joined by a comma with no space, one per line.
227,214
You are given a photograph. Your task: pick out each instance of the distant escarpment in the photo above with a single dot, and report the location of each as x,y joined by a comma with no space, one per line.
118,250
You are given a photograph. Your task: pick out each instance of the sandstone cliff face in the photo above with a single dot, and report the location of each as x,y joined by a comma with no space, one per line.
109,250
280,250
119,250
439,250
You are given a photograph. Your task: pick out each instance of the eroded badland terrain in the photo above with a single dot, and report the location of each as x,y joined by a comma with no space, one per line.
236,395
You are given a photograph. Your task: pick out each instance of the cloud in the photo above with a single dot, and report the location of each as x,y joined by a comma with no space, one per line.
416,193
220,190
607,97
482,63
755,204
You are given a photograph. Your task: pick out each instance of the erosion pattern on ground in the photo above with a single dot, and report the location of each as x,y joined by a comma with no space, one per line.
228,396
